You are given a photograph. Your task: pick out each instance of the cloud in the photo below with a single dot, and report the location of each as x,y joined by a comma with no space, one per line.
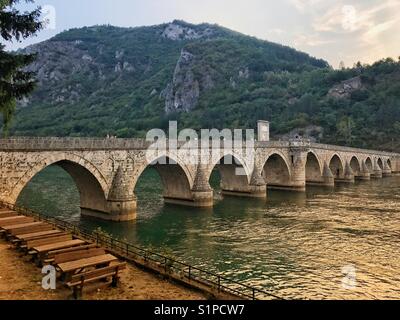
301,5
313,40
276,31
349,18
372,34
365,31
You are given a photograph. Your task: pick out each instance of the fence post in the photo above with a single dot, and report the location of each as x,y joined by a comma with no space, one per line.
254,294
190,273
165,264
127,249
219,283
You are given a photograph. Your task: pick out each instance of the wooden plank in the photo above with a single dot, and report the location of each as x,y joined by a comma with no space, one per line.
82,281
12,217
13,227
50,240
60,245
53,253
42,227
37,235
79,254
8,214
6,210
96,274
87,262
14,220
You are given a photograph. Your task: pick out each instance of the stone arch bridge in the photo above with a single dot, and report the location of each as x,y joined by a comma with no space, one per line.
107,170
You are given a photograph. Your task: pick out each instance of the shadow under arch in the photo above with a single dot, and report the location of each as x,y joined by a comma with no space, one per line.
336,166
380,163
389,163
313,169
368,163
234,176
90,183
355,165
176,184
276,172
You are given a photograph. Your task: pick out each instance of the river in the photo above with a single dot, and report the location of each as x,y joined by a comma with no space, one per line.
341,243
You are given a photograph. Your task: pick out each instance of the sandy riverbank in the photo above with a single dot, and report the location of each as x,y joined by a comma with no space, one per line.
20,279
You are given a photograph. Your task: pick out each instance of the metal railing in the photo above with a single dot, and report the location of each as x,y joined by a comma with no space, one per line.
171,266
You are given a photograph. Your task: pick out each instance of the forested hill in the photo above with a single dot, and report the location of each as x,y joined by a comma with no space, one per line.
101,80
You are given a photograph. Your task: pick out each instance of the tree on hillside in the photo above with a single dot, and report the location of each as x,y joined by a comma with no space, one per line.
345,129
15,83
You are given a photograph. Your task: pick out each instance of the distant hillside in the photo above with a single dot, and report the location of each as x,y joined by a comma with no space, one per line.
101,80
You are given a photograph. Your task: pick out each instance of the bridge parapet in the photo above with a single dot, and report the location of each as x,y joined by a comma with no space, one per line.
70,143
352,149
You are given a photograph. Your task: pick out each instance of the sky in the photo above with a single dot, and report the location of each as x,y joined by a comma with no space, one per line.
334,30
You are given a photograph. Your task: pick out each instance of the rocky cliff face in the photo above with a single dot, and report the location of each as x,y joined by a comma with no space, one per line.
345,88
55,62
177,31
183,92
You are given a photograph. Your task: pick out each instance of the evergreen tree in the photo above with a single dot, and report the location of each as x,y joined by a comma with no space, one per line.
15,83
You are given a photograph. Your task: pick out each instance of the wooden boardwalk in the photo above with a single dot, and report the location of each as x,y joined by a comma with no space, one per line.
78,262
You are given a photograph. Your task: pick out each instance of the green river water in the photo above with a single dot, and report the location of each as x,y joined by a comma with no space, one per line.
296,245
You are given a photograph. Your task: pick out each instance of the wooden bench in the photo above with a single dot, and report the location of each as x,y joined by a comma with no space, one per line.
35,235
70,268
12,217
51,254
41,251
78,281
15,227
14,220
5,210
37,228
78,254
8,214
49,240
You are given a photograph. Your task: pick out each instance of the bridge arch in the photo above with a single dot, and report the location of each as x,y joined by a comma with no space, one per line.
336,166
313,168
276,170
389,163
355,165
92,185
368,163
234,173
379,162
175,177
